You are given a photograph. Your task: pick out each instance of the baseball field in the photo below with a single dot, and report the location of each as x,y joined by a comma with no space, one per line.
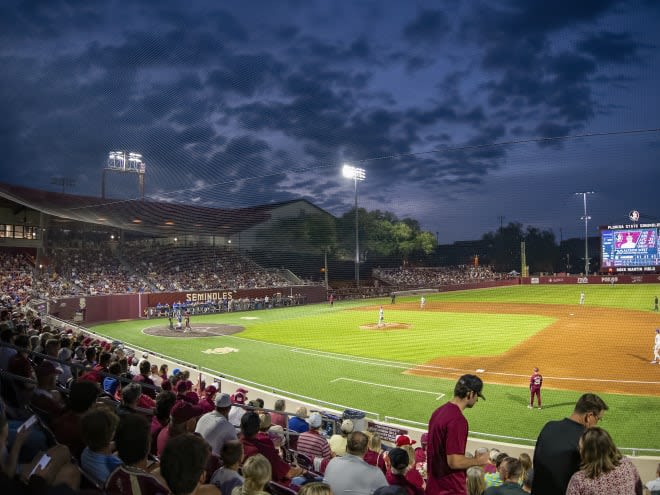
407,367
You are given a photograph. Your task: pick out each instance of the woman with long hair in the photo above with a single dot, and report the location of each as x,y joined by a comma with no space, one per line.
603,469
256,474
526,463
476,484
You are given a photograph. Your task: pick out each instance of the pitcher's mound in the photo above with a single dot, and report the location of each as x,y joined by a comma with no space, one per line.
385,326
205,330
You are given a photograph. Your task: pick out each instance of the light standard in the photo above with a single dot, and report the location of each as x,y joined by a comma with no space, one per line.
357,174
586,219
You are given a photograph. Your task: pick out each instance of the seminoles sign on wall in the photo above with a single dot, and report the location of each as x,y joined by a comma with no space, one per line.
208,296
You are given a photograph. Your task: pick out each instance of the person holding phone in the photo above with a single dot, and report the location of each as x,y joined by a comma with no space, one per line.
49,469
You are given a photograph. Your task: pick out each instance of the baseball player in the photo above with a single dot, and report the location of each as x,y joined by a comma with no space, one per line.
655,304
535,383
186,319
422,302
381,317
581,297
656,347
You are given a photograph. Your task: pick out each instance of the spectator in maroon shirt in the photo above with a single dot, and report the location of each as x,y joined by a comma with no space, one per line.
47,400
399,466
183,465
144,379
163,373
68,427
282,471
278,417
19,364
161,418
207,403
133,477
183,419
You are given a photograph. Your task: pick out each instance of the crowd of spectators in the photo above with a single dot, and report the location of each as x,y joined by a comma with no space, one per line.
110,420
96,269
416,277
198,268
16,276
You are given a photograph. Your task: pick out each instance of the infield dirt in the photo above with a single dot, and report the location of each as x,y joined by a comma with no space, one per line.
585,349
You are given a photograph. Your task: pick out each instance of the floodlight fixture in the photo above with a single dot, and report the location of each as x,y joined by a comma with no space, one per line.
351,172
125,161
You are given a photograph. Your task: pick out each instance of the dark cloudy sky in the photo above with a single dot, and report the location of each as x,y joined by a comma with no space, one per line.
445,104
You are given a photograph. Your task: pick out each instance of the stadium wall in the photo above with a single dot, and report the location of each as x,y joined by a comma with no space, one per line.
94,309
486,284
592,279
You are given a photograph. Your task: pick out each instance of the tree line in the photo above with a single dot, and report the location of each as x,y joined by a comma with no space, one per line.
386,240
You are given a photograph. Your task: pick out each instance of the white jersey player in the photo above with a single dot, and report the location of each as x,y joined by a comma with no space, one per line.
381,317
581,297
656,347
422,302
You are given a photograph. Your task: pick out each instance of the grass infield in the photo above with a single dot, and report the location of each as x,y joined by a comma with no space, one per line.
321,352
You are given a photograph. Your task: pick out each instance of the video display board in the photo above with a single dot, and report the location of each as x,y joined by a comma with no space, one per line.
630,248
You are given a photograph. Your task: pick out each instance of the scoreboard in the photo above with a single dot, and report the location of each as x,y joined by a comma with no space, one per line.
630,248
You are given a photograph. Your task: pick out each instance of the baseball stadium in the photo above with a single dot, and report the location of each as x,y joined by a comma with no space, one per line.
286,241
386,350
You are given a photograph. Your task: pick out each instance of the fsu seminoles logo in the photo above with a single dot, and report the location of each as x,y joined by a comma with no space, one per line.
634,216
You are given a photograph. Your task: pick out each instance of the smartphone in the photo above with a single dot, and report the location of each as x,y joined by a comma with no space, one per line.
43,463
31,420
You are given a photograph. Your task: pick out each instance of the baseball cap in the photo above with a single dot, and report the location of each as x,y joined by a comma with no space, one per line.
64,353
402,440
210,390
472,383
222,400
347,426
315,420
184,411
241,390
46,368
276,432
398,458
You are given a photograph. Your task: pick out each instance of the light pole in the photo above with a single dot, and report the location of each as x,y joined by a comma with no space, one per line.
586,219
357,174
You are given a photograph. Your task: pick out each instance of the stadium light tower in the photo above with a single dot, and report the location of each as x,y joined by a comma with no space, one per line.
357,174
586,219
125,162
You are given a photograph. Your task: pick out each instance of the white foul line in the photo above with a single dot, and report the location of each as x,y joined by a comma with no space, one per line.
388,386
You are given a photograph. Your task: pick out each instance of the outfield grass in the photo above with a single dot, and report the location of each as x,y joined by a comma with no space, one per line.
319,352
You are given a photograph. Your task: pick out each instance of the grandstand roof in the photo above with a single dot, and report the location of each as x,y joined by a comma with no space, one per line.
146,216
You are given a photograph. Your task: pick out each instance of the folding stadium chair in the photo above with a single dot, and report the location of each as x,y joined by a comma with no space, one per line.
88,483
304,461
307,463
275,488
